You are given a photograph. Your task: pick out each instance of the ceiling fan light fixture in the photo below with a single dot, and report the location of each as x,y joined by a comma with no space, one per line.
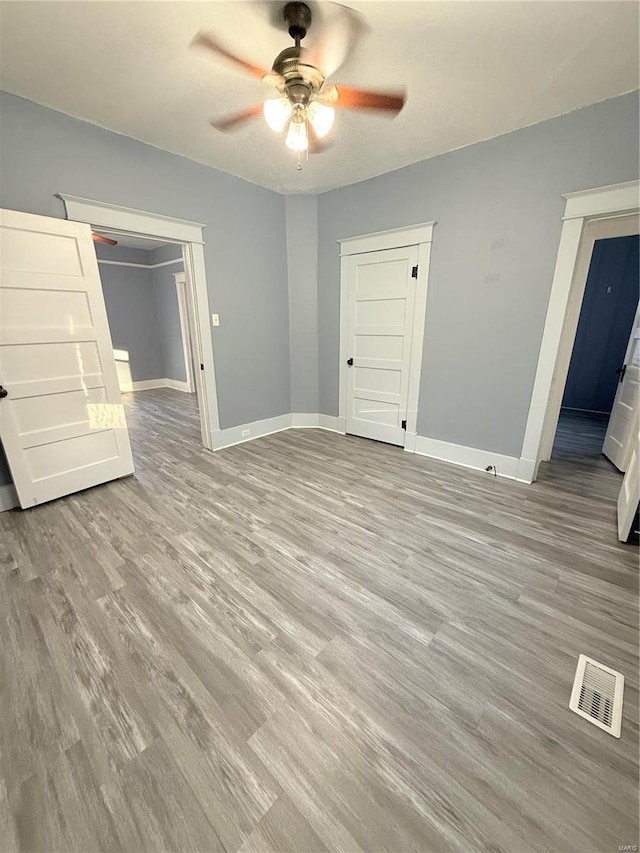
277,112
321,117
297,136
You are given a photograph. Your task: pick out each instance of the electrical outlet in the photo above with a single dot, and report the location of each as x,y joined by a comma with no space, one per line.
245,432
215,319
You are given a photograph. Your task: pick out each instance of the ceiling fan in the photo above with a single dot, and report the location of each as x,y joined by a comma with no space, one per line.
306,105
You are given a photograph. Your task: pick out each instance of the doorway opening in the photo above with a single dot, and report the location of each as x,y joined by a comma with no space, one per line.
588,426
151,321
145,225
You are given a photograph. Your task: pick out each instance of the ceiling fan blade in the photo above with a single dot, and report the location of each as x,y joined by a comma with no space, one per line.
336,39
208,42
100,238
232,122
344,97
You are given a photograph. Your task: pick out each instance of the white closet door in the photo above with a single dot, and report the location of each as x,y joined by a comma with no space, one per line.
620,432
382,293
629,496
62,422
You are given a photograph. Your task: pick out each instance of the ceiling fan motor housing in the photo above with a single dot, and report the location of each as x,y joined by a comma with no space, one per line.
301,81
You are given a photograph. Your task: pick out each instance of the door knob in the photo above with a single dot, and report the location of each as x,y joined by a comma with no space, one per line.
350,362
3,393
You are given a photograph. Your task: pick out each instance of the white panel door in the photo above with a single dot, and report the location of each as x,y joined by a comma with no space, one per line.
629,496
61,422
381,303
620,433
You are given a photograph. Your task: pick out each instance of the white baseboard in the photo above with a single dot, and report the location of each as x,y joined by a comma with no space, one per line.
8,497
148,384
305,420
329,422
178,385
468,457
247,432
257,429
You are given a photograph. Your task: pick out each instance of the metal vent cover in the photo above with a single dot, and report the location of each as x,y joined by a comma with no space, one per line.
597,695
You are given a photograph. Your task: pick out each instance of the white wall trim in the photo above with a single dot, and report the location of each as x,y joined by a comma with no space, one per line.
614,199
149,384
189,234
589,215
179,385
395,238
182,296
106,215
140,266
467,457
8,497
258,429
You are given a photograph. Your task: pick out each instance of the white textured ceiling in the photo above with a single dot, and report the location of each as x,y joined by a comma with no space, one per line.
472,70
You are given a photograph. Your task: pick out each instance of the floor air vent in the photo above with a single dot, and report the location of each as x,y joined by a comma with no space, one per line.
597,695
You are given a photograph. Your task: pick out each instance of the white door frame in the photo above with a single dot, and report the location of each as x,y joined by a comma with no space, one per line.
181,292
589,215
189,234
420,235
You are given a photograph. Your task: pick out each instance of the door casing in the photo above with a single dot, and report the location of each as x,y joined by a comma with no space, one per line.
115,218
590,215
420,235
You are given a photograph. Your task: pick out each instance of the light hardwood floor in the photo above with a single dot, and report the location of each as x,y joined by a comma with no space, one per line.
312,642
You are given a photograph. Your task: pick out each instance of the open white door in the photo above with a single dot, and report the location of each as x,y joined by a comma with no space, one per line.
620,433
382,292
61,422
629,496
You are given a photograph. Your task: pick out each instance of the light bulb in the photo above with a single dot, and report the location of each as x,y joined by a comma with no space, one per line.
277,112
321,117
297,138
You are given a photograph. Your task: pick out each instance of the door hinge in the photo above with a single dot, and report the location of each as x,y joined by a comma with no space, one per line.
414,272
202,367
404,424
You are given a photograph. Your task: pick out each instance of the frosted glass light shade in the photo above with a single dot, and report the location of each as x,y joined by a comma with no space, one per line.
297,137
321,117
277,112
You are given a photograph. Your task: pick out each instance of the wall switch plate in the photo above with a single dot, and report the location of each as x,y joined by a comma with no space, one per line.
215,319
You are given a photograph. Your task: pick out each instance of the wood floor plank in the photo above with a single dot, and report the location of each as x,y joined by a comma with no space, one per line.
312,642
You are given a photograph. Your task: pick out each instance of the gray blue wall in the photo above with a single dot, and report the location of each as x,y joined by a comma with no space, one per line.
130,300
499,208
498,205
142,307
45,152
302,268
606,318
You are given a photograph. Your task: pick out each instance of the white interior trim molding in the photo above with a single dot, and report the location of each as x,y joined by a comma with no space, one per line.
180,279
420,235
468,457
139,266
258,429
8,497
590,215
125,219
149,384
106,215
603,201
395,238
